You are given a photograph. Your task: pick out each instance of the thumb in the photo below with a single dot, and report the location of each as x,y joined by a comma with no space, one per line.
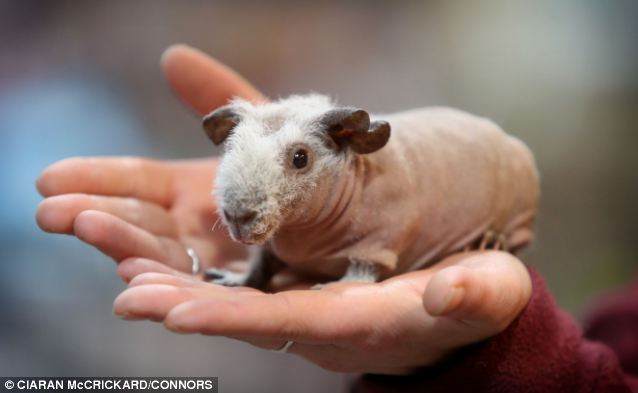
486,290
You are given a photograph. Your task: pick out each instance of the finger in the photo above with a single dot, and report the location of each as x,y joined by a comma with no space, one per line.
181,280
124,176
304,316
154,301
201,81
178,280
130,268
487,290
57,213
149,301
120,240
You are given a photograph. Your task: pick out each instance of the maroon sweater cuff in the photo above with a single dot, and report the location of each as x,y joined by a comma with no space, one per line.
541,351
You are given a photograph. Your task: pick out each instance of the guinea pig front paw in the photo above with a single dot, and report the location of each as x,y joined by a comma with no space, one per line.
225,277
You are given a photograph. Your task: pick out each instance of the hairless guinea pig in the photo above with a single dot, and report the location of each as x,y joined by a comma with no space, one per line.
325,190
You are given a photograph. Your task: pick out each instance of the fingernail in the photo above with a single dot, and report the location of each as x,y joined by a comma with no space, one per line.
451,300
119,311
172,48
123,315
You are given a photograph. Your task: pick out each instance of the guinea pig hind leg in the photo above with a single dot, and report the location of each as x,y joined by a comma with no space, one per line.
358,271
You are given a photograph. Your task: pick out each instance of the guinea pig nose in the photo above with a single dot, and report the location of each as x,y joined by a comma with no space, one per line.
240,217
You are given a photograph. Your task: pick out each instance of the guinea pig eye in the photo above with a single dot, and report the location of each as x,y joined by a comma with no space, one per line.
300,159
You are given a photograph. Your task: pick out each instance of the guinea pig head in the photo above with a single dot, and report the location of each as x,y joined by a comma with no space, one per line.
282,159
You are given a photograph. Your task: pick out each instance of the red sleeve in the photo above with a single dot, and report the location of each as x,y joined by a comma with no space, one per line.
614,321
543,350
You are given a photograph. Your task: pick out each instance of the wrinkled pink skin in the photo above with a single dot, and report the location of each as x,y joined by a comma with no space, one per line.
444,180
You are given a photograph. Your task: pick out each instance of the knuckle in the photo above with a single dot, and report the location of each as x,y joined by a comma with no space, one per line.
139,164
290,324
135,165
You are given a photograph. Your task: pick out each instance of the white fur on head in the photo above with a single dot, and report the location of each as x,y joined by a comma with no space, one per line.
255,173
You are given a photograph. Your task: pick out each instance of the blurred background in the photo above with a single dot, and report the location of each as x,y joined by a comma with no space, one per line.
82,78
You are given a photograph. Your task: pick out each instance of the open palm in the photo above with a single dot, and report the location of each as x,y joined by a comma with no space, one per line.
404,323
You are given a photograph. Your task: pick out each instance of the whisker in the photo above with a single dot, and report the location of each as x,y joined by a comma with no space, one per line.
215,224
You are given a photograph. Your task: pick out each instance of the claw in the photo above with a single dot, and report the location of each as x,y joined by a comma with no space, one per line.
488,237
501,243
212,274
226,277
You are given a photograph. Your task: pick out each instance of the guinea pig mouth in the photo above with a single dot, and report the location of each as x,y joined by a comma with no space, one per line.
248,236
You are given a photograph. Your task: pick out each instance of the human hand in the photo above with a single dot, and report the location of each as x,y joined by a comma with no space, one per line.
134,207
393,327
144,212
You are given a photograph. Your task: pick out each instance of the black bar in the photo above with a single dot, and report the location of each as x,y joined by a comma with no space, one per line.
107,384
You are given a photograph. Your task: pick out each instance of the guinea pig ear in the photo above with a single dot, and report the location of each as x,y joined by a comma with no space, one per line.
374,139
219,123
352,127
